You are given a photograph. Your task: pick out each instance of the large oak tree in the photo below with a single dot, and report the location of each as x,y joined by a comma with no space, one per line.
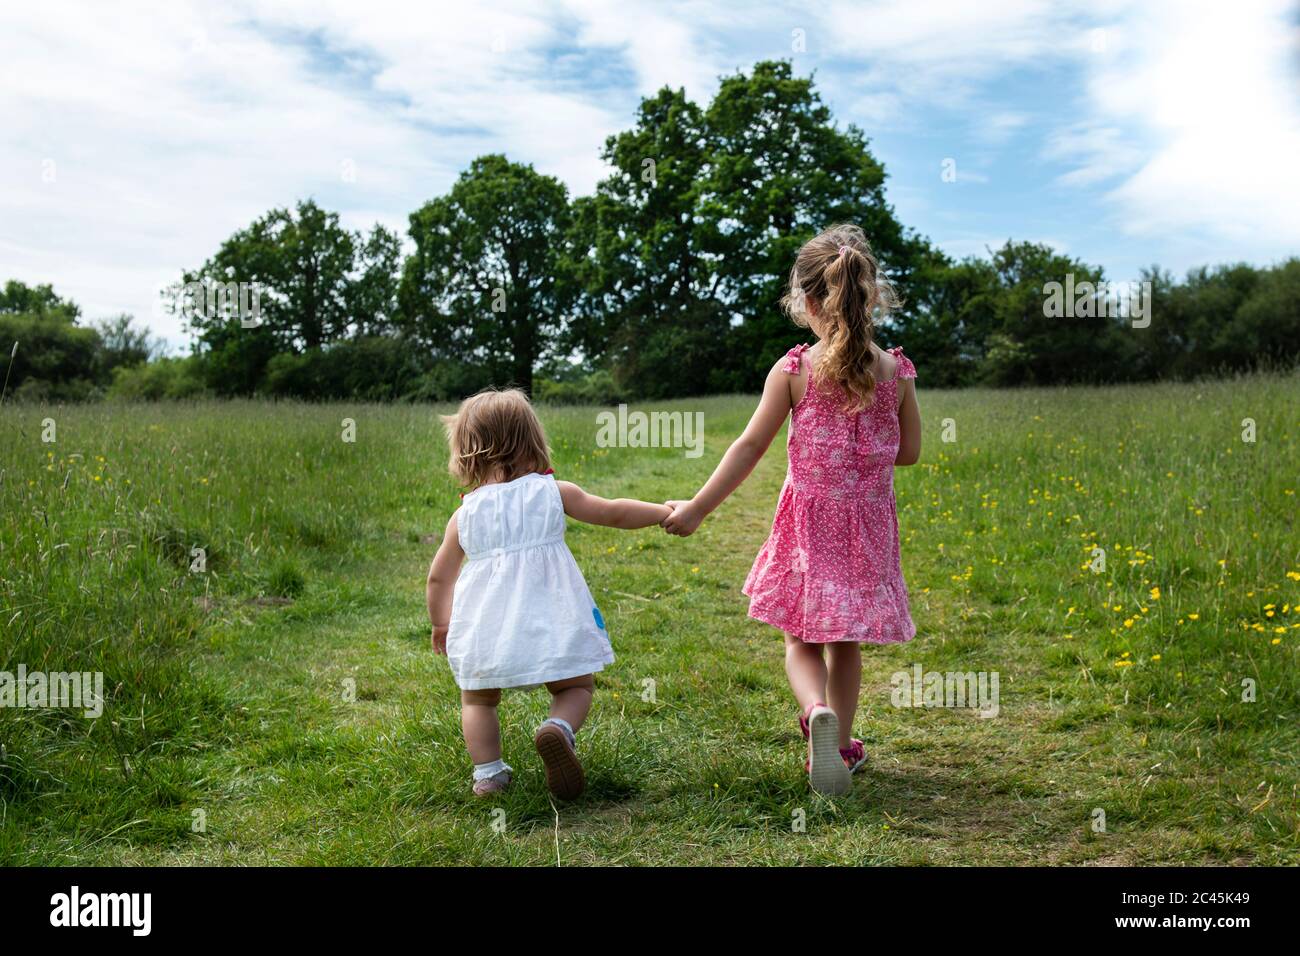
483,283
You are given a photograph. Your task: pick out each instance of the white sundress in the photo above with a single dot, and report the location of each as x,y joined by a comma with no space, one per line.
521,614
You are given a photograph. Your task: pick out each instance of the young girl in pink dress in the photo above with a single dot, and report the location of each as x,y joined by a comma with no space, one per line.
829,574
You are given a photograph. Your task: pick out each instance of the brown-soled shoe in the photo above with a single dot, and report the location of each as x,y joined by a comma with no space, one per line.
564,776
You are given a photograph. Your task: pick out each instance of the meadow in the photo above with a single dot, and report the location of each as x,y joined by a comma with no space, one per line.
272,697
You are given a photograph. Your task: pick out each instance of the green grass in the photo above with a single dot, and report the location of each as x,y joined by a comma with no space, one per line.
288,694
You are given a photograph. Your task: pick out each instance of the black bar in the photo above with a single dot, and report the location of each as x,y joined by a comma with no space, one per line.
208,905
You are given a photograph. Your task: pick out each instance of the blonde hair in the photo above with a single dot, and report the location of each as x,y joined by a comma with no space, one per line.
838,271
495,435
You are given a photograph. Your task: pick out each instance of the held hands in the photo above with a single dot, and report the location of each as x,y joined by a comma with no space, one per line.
685,518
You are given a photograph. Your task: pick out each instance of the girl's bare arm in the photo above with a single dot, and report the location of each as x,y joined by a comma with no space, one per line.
909,426
740,458
624,513
441,583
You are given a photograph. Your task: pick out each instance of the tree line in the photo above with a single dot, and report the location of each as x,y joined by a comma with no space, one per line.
665,282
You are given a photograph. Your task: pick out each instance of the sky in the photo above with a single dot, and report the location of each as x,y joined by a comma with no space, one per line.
135,138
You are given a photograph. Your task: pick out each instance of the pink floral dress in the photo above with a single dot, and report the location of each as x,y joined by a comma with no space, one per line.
830,569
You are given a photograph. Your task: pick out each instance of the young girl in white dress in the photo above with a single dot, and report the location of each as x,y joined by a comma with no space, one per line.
519,614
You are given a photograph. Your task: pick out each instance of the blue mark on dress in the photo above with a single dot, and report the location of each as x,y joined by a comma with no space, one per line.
600,621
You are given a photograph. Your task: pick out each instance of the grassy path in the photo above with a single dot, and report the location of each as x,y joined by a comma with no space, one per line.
331,732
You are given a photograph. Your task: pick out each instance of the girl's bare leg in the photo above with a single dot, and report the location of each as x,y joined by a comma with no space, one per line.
806,670
843,683
571,699
479,724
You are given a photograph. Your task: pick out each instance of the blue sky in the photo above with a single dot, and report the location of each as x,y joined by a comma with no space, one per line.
137,138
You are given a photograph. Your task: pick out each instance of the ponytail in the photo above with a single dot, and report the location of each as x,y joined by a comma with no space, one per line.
838,271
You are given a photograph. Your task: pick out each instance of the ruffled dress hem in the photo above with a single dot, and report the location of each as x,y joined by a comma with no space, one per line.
771,612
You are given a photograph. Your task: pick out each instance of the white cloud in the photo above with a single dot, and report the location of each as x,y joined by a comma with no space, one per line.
1187,116
171,125
1211,94
162,134
941,52
166,129
960,247
664,50
997,128
1095,152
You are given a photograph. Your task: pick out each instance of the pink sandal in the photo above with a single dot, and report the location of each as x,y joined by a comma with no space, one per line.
489,786
854,755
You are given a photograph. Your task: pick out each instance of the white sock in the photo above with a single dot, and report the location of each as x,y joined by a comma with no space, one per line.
486,771
565,726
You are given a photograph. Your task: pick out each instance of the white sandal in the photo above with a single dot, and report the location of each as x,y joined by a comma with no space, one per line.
826,770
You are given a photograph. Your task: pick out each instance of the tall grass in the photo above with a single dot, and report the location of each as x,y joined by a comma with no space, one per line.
1122,689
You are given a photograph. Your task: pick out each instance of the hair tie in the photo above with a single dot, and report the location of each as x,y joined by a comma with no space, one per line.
843,249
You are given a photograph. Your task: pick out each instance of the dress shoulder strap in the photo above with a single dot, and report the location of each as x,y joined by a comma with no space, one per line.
792,357
905,367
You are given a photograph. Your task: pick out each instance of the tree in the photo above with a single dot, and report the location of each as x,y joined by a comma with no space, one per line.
1205,305
1163,349
55,357
686,247
482,284
949,314
314,282
779,172
1027,345
123,343
649,305
1267,325
300,262
37,300
371,296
